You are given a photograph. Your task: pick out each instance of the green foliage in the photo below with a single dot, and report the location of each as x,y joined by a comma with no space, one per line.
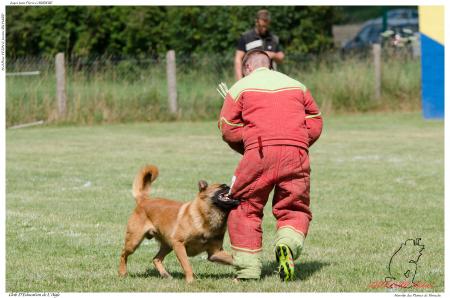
149,31
358,14
304,29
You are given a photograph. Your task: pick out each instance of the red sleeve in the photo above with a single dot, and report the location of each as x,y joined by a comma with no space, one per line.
231,123
313,118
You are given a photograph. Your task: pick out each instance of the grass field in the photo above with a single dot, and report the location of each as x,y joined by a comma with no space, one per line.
377,180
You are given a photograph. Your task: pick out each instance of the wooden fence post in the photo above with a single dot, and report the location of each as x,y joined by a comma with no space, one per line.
172,81
61,84
377,67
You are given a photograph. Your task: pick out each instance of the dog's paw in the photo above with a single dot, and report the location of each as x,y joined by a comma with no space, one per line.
123,274
166,275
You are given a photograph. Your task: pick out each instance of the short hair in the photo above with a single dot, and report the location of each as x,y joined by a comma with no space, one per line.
257,58
263,14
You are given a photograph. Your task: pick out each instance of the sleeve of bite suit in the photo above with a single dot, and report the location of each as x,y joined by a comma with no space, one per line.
231,123
313,118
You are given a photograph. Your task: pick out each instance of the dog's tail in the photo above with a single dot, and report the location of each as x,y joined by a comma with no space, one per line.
142,181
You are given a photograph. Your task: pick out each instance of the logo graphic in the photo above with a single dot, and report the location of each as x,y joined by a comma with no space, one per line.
403,264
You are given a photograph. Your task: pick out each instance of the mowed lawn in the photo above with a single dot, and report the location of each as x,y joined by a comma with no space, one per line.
377,180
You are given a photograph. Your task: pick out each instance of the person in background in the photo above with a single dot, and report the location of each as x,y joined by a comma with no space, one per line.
258,38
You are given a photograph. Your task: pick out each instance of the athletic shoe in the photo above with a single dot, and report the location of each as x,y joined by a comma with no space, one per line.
285,262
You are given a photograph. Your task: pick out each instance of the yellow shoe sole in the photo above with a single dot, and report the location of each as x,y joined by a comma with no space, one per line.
285,262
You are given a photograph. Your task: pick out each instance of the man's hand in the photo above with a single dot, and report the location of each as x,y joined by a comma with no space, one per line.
222,89
276,56
270,54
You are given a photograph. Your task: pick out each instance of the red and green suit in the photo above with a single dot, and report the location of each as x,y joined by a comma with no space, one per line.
272,120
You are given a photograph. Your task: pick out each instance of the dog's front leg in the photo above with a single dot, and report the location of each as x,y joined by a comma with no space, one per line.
180,251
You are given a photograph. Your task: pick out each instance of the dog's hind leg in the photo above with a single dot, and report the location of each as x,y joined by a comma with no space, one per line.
136,231
159,258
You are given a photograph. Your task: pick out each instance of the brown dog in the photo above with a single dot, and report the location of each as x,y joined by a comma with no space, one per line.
187,228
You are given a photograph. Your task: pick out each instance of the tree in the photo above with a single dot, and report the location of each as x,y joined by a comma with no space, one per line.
151,30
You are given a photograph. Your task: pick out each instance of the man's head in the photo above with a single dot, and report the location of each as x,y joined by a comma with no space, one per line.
254,59
262,22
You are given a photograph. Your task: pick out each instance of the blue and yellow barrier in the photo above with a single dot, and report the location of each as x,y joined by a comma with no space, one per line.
431,26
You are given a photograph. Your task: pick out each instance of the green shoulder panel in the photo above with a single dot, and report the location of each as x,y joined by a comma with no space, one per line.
263,79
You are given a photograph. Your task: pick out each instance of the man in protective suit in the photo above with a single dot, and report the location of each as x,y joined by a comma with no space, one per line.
272,120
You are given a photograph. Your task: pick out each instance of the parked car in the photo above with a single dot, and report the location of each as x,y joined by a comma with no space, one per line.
400,23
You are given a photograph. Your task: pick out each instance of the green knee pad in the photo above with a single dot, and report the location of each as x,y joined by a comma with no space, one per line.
294,240
247,265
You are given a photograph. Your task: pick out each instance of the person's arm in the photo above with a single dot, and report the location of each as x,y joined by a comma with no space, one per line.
276,56
231,124
313,118
238,64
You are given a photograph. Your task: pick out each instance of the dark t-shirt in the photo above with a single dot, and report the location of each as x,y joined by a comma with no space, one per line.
251,40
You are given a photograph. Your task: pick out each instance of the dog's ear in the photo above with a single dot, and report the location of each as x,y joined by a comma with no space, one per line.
202,185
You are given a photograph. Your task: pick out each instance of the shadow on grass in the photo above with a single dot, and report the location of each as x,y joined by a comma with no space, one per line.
152,272
303,271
